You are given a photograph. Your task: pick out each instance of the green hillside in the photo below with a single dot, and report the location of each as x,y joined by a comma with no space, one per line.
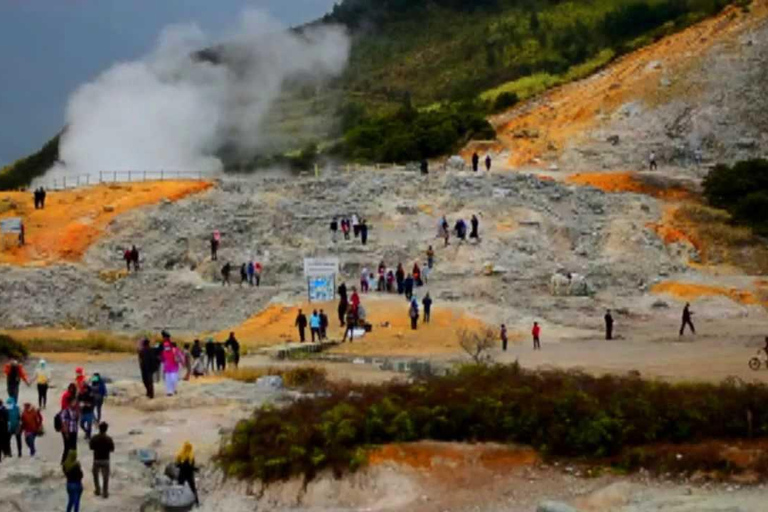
424,74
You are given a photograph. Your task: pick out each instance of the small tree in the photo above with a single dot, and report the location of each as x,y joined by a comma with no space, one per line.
477,344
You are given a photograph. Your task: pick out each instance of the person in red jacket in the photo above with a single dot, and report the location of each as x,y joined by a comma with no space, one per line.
354,300
536,332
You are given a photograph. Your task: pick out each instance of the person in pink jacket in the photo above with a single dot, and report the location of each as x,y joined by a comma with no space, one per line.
172,359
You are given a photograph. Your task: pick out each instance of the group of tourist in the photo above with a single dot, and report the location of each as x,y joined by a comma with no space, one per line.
476,162
318,325
459,229
131,257
353,224
39,197
397,280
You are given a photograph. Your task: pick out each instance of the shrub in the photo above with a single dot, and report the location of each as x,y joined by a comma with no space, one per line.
12,349
504,101
742,190
308,377
560,413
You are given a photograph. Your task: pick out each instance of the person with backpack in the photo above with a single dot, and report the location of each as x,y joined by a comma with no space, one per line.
102,447
14,422
68,423
31,426
148,365
43,378
5,435
87,404
14,374
99,392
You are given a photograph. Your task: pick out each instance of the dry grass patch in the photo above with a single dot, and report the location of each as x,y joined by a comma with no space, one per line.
298,377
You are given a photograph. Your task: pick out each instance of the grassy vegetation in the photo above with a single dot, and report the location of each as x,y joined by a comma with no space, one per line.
89,343
299,377
741,190
22,172
12,349
559,413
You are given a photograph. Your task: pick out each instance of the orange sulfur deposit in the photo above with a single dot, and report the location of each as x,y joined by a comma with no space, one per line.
74,219
626,182
433,455
392,334
692,291
671,230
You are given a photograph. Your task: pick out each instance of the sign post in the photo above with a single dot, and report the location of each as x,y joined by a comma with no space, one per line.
321,278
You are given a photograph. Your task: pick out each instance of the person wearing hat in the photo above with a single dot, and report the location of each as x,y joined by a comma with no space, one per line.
14,374
43,380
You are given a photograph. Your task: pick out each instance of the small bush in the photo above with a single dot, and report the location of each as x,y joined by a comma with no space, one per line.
742,190
12,349
305,377
504,101
91,343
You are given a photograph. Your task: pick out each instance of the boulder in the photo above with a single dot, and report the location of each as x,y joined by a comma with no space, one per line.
146,456
554,506
456,162
270,382
568,285
177,498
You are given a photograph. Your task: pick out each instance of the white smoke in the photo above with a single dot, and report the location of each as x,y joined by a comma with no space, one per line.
171,111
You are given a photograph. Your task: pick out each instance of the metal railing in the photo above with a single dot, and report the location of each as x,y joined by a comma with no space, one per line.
83,180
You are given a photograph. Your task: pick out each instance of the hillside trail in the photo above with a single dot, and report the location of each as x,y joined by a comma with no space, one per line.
536,132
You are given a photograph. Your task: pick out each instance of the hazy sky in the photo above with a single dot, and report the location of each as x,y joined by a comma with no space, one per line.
49,47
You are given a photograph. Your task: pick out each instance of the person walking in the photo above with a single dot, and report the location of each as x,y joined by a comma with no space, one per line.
14,423
427,303
70,424
301,324
608,325
504,337
400,278
5,435
148,365
43,195
43,379
536,333
102,447
257,270
345,228
475,233
226,270
687,319
221,357
475,161
214,247
197,354
430,257
172,361
488,163
87,405
355,225
185,462
233,345
135,258
314,325
14,374
334,229
408,287
73,472
342,310
323,325
413,313
243,274
99,391
210,355
251,270
127,258
31,426
652,161
351,324
363,232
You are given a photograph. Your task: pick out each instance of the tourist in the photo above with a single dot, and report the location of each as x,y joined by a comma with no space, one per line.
461,229
427,303
652,161
351,325
475,233
233,345
81,380
197,353
226,270
185,462
390,281
127,258
43,195
687,319
608,325
14,374
354,301
210,355
257,270
221,358
425,273
135,258
172,360
243,274
314,325
87,405
417,275
488,163
70,424
99,390
408,287
323,325
68,396
363,232
215,241
364,280
74,474
381,284
400,277
31,426
536,332
334,229
355,225
301,324
251,270
424,167
43,379
475,161
5,435
413,313
148,365
504,338
186,356
345,228
36,196
102,446
430,257
14,423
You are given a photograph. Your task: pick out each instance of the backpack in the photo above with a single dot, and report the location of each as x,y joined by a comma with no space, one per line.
57,423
